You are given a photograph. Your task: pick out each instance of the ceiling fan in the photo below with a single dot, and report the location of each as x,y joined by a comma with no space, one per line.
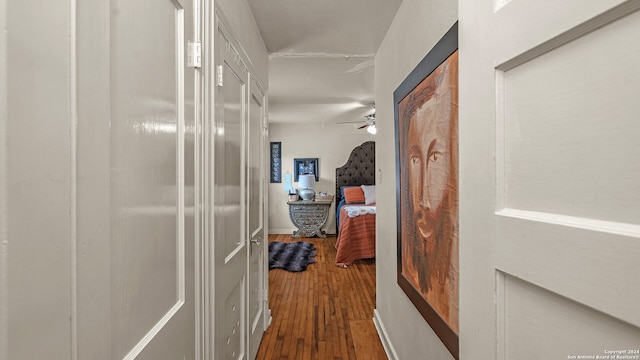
369,123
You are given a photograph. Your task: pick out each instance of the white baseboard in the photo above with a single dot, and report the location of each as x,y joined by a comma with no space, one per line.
384,338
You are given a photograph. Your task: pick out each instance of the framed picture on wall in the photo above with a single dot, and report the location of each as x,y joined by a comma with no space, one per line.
275,157
426,132
304,167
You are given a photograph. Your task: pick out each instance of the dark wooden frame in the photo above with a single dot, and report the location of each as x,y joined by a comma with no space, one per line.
447,45
305,162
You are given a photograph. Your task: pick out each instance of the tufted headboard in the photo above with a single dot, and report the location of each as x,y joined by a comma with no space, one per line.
359,170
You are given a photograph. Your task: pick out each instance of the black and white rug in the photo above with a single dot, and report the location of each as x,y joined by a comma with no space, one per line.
291,256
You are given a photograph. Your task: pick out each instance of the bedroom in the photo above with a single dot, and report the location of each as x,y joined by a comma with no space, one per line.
321,86
332,152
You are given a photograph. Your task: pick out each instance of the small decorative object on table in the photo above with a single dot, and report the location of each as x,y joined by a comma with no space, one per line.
307,182
293,195
323,196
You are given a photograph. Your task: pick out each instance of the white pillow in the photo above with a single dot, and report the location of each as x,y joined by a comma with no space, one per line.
369,194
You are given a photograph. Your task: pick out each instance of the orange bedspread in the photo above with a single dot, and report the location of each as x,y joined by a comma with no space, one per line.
356,238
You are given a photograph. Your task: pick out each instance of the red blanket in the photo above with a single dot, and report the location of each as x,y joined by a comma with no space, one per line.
356,238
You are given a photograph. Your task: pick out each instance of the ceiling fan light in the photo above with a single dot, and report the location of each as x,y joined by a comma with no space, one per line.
371,129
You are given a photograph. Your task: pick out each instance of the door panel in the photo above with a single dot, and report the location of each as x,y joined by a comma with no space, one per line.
257,254
148,280
229,204
148,277
572,93
572,323
549,238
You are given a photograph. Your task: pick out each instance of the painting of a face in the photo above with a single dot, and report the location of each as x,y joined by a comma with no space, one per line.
429,189
429,160
426,134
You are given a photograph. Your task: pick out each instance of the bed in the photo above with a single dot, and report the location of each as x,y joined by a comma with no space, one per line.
356,222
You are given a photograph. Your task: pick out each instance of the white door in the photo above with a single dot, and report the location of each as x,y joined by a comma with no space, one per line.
549,179
135,182
255,207
229,203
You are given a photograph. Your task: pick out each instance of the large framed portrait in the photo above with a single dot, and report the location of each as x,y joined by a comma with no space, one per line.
426,131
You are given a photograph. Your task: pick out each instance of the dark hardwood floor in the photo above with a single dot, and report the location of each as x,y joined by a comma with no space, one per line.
324,312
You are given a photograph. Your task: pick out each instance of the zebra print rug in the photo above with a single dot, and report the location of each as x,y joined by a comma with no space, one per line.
294,256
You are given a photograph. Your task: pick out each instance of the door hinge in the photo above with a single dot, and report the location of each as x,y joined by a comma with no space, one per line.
194,58
219,75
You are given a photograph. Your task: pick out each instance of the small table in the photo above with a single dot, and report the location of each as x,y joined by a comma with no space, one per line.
309,217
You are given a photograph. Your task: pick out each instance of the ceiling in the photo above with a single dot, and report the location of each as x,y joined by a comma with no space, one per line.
321,55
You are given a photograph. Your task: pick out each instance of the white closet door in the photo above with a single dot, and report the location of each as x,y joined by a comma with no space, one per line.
230,240
257,272
549,178
135,197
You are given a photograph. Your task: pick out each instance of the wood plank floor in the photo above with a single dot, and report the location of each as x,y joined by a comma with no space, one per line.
324,312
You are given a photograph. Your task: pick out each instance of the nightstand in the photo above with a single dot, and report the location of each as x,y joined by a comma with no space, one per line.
309,217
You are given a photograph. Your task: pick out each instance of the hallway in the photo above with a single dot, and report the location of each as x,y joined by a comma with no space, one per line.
324,312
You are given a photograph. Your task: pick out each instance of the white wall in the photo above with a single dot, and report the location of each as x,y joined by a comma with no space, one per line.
330,143
417,27
237,14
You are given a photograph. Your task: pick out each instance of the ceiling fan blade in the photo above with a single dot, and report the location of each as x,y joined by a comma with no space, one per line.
363,126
